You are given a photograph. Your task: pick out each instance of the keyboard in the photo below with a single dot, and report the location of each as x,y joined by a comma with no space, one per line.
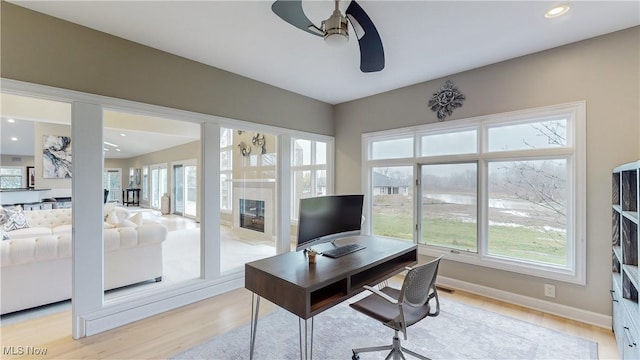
342,250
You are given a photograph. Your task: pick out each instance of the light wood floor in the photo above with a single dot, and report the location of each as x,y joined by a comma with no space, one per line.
167,334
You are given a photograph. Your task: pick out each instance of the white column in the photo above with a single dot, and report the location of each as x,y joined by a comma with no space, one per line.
210,208
86,187
283,195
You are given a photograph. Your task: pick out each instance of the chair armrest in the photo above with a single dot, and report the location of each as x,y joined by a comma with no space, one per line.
382,295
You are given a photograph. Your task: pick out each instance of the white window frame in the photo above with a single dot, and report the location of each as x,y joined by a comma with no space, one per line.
312,167
145,183
159,167
172,186
117,196
227,207
574,153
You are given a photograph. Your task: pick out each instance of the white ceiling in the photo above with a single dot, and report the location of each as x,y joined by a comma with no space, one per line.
423,40
142,134
20,130
135,143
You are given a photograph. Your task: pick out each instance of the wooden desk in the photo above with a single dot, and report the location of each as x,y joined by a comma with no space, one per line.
289,281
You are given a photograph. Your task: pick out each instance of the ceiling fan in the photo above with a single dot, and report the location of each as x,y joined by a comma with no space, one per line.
336,31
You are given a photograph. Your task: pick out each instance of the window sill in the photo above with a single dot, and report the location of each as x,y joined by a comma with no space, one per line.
533,269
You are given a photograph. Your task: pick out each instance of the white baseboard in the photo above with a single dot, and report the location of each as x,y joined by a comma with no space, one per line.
125,312
548,307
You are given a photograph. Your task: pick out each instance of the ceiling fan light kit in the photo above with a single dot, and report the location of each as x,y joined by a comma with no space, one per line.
335,30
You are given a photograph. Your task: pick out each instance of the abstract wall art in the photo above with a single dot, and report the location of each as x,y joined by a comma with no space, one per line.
56,157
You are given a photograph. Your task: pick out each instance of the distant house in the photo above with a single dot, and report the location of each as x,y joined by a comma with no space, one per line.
384,185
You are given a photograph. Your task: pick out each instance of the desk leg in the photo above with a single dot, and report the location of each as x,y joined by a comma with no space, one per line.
255,307
308,340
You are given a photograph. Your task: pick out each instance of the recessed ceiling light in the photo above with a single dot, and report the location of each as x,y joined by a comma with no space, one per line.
117,149
105,149
123,134
11,120
13,138
110,144
556,11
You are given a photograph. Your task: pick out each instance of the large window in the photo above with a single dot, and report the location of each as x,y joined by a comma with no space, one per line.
158,184
184,189
528,210
449,205
226,168
392,201
112,180
145,183
503,191
309,171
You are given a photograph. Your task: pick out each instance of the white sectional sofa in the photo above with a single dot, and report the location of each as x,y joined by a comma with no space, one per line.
36,261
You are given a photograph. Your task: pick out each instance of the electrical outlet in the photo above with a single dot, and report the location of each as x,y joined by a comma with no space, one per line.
549,290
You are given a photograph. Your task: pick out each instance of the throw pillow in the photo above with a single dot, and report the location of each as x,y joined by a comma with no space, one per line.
137,219
15,219
112,218
115,219
122,213
3,217
107,209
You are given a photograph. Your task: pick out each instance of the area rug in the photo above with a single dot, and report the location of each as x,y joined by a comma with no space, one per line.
459,332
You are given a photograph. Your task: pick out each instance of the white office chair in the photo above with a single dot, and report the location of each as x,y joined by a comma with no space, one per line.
399,309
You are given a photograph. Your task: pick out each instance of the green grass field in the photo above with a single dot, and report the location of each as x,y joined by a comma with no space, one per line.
525,243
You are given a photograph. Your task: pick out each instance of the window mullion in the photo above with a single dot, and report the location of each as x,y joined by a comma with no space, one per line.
417,203
483,208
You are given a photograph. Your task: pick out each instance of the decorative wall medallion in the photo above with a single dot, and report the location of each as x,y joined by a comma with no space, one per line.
258,140
445,100
244,149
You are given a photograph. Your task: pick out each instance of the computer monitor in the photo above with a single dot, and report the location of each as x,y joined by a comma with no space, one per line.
327,218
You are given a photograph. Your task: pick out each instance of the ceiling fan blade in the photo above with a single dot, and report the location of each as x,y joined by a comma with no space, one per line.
291,12
371,50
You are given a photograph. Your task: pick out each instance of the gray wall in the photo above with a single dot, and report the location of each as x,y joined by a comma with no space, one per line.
604,71
41,49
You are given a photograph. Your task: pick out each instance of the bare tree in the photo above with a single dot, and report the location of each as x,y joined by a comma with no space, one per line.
541,182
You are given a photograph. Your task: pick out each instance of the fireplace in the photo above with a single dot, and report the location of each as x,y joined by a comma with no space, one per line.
252,214
253,211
